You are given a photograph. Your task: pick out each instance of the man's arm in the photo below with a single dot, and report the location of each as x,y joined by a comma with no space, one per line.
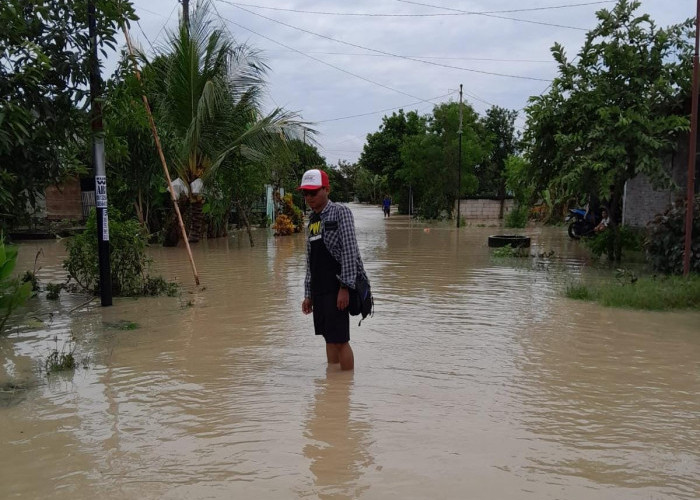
349,248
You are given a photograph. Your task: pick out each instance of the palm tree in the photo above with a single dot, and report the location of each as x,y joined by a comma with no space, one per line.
210,105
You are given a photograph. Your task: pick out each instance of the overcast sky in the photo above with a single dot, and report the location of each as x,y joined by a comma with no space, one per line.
344,65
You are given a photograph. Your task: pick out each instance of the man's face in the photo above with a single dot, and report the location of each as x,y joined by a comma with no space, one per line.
316,198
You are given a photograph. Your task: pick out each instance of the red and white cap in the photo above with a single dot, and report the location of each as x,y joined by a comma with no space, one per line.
314,179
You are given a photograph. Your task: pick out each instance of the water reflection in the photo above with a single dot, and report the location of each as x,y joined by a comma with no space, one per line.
339,449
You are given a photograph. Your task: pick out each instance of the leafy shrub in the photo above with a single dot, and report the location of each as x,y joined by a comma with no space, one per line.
128,260
293,212
291,220
283,225
53,290
666,239
13,292
517,217
631,240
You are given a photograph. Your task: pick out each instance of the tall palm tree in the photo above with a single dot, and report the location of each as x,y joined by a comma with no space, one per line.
210,103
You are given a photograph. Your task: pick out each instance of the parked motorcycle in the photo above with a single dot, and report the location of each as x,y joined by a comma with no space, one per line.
581,223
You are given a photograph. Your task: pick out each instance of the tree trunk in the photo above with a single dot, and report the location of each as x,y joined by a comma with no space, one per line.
246,222
615,243
197,220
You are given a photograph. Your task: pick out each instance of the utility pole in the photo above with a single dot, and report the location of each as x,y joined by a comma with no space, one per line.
692,157
186,14
459,162
98,162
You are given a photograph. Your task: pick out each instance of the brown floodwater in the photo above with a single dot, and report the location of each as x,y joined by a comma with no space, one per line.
476,378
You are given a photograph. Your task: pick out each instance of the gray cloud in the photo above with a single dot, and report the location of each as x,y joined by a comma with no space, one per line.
320,92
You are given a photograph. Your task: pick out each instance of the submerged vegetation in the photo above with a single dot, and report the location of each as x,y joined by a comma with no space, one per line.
650,293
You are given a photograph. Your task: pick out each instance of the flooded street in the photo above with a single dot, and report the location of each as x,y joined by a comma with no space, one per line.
475,379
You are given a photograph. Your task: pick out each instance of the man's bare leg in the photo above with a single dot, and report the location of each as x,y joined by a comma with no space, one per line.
341,353
332,354
347,359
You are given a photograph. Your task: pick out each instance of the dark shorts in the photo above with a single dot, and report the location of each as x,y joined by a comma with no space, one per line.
329,321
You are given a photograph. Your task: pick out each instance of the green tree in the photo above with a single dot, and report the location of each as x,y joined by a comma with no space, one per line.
135,176
44,76
343,179
432,159
499,124
209,102
381,155
613,113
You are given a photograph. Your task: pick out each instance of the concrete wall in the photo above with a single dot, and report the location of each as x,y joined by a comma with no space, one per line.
484,209
642,202
64,201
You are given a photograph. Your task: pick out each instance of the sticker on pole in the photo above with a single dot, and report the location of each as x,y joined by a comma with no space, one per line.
105,226
100,191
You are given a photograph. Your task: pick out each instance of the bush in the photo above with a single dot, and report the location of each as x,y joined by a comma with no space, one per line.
631,240
283,226
291,220
517,217
128,260
293,212
666,239
13,292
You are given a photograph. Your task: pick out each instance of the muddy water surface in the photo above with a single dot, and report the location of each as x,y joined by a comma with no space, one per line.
475,379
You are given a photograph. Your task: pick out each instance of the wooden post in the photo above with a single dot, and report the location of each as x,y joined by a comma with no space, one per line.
162,156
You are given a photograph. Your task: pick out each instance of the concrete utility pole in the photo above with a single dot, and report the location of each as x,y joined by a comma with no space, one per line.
692,157
186,14
98,162
459,171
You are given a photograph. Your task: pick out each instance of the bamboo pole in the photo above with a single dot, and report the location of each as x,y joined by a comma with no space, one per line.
161,155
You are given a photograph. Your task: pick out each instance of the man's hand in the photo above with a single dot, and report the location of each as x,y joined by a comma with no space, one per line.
307,306
343,299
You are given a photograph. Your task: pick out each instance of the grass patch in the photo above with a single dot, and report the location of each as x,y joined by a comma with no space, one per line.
648,293
60,361
509,251
121,325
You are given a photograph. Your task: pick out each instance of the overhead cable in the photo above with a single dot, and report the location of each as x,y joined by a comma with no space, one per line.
471,70
489,59
382,110
456,12
323,62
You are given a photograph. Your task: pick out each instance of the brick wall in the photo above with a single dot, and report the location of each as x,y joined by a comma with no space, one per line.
64,202
642,202
484,209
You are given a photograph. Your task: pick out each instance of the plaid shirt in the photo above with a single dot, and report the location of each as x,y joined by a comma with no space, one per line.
341,243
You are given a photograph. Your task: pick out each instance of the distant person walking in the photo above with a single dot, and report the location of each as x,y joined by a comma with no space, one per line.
386,206
333,264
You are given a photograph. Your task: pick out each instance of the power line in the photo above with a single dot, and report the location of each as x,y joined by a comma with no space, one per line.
381,110
166,22
551,7
456,12
384,52
493,14
321,61
488,59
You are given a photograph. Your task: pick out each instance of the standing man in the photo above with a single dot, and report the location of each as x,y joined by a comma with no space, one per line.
386,204
333,263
